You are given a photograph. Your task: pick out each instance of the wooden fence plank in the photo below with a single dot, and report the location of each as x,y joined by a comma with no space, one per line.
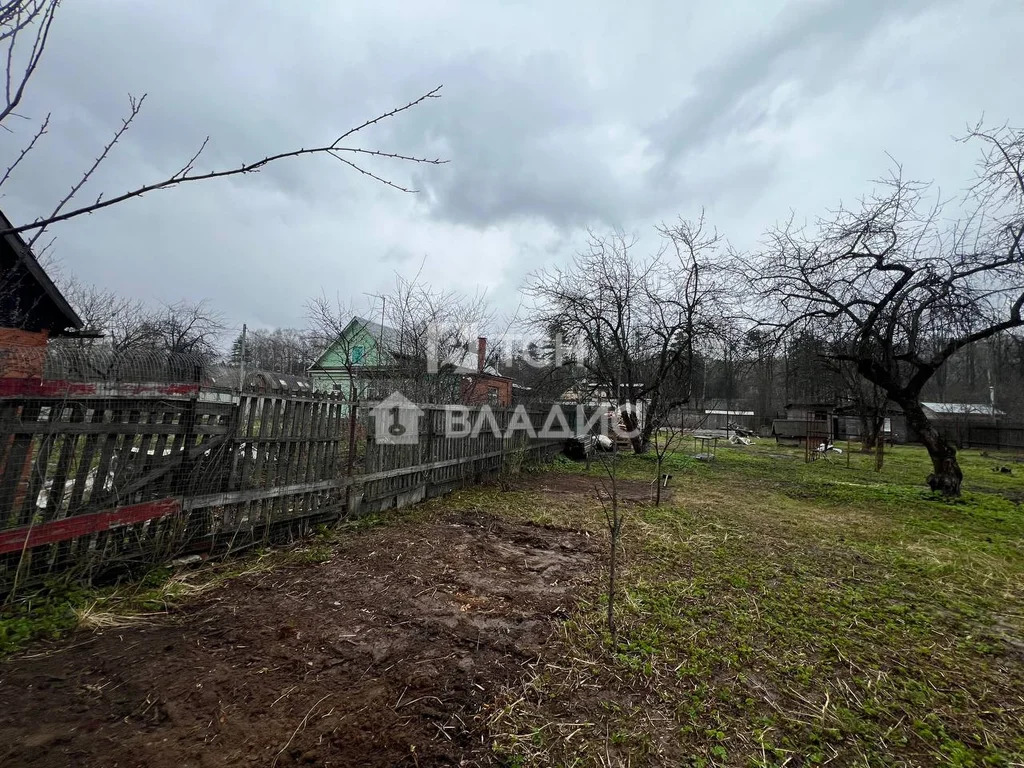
16,465
239,468
18,539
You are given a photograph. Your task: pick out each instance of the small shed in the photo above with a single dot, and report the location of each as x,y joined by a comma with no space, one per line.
965,423
810,411
849,424
973,412
815,421
720,417
801,431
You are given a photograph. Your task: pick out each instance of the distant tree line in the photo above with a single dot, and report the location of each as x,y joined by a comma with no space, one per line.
285,350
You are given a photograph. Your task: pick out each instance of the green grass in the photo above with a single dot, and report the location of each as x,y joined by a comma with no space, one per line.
782,613
771,613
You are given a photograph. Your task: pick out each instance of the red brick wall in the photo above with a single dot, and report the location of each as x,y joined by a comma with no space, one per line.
475,390
22,353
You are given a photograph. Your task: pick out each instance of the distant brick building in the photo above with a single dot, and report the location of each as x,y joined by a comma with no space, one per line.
32,309
485,386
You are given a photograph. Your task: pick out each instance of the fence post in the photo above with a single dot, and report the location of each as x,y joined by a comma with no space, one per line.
189,436
353,409
429,454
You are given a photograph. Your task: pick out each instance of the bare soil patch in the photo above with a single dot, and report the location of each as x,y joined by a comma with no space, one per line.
584,488
387,654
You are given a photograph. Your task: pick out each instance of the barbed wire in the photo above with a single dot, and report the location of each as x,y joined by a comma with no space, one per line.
71,363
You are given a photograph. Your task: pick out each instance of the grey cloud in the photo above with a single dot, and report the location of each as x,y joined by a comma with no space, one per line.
527,135
553,118
516,131
816,43
396,255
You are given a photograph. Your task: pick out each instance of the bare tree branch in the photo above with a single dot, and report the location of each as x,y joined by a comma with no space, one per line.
134,106
15,18
186,175
28,148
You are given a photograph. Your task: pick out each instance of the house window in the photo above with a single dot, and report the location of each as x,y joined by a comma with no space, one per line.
492,395
357,354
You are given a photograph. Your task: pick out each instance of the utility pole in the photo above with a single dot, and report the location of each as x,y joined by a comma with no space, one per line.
241,361
380,334
728,388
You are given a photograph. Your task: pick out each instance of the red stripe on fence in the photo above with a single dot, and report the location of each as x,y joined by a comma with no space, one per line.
82,525
61,388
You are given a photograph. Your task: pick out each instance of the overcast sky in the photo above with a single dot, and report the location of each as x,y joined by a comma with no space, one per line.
555,117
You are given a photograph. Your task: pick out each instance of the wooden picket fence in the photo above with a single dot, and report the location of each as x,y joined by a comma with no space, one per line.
97,477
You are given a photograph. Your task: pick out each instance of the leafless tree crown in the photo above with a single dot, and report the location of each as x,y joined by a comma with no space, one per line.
638,321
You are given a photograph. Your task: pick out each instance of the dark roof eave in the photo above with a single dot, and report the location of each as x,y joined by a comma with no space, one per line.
20,248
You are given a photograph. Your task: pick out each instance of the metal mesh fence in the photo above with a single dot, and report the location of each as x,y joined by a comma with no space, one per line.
69,362
100,474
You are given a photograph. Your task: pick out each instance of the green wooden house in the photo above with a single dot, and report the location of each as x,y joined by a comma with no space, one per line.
369,361
363,354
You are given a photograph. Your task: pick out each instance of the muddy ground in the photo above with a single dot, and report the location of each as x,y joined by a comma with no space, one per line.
387,654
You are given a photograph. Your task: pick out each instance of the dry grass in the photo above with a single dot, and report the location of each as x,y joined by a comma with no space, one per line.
95,616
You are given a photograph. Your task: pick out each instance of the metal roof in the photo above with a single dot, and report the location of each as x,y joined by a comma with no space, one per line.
963,409
385,335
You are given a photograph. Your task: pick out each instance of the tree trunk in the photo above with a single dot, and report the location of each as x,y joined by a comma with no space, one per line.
868,436
946,475
641,439
614,530
643,443
657,493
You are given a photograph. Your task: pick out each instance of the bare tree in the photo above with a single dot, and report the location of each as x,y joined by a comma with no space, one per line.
111,322
905,288
24,32
284,350
189,328
436,326
123,339
608,495
637,322
700,279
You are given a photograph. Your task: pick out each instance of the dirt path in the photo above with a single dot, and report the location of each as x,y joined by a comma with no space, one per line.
386,655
